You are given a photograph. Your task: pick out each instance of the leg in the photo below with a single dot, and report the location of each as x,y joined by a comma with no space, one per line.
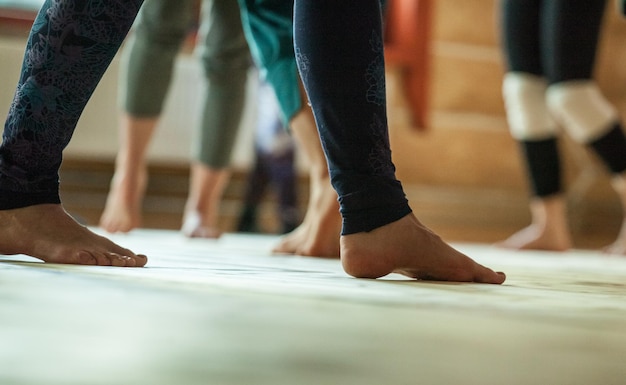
380,235
573,96
203,203
283,178
318,234
146,72
524,89
122,211
70,46
256,184
269,29
226,60
530,124
268,120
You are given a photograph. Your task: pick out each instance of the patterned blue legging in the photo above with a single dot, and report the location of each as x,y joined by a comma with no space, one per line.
71,44
339,49
73,41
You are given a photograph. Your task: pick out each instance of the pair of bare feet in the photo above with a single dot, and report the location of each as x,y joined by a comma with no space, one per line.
318,235
122,212
550,231
48,233
123,209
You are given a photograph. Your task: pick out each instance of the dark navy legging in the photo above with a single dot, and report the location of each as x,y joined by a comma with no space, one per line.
71,44
557,40
339,50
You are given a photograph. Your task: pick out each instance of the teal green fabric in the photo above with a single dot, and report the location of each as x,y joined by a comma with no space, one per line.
268,25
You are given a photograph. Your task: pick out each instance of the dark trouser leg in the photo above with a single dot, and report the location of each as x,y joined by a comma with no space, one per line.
71,44
340,57
283,179
257,183
521,22
569,51
611,148
543,166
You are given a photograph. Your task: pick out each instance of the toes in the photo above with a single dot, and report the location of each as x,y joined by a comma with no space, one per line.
136,260
103,259
106,259
140,260
120,260
131,260
86,258
486,275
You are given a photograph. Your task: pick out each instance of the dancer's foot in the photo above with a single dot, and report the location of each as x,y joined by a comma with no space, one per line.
122,212
548,231
49,233
408,247
534,237
194,228
619,246
318,234
206,187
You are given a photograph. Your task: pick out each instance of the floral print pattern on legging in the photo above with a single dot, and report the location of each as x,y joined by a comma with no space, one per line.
71,44
339,50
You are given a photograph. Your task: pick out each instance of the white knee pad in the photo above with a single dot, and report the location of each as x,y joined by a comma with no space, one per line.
582,109
527,113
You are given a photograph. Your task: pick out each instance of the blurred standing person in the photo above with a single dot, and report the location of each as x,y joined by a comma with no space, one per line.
147,67
550,48
274,165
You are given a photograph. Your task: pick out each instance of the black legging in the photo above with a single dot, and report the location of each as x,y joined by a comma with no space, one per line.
340,58
71,44
557,40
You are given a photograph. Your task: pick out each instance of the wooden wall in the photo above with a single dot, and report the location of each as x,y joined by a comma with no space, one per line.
466,151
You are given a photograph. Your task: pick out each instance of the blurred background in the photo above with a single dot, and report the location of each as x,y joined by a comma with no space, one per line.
460,168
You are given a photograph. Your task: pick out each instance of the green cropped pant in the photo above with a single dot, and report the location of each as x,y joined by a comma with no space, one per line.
148,61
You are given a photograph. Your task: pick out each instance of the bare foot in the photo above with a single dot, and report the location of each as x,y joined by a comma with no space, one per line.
534,237
619,246
549,229
318,234
206,187
407,247
194,228
49,233
122,212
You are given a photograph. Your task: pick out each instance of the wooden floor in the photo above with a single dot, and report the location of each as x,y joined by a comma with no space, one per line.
229,312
